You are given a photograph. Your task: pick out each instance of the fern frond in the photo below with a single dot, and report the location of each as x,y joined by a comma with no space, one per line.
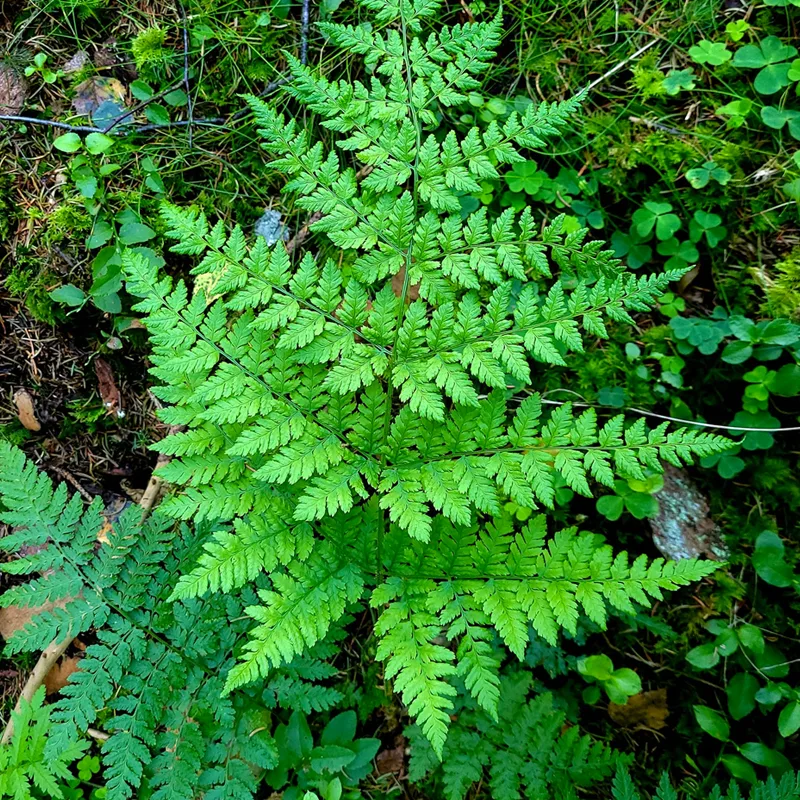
363,404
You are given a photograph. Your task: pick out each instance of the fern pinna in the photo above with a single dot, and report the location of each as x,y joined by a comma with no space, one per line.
359,438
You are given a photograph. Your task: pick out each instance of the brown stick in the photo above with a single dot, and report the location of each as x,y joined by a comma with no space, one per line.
47,659
154,488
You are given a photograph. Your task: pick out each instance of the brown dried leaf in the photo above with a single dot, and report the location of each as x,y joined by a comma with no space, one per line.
392,761
105,55
687,279
646,710
13,90
57,678
93,92
26,410
14,618
107,386
397,286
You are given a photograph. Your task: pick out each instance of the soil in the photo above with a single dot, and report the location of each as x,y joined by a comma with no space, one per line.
90,445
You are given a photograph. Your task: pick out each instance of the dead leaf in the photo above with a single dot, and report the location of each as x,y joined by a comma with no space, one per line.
102,534
58,677
392,761
13,90
14,618
647,710
107,386
76,63
93,92
105,55
397,286
114,508
26,410
688,278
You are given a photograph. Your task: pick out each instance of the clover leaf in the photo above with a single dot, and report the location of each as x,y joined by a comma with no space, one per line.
776,118
681,253
736,111
714,53
678,79
710,171
708,225
771,58
656,216
736,30
631,247
525,177
758,439
728,464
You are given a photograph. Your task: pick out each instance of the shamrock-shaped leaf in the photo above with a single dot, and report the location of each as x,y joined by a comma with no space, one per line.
728,464
670,305
714,53
771,58
736,111
587,214
636,497
704,334
656,216
708,225
736,30
776,118
681,253
758,439
710,171
525,177
677,80
631,247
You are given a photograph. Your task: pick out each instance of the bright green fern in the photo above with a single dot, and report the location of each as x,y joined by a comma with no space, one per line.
786,787
363,443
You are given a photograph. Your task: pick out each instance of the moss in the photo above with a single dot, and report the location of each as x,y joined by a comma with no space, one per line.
647,78
783,288
29,280
8,213
66,221
148,47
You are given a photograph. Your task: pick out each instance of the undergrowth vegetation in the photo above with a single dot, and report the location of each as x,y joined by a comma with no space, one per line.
464,340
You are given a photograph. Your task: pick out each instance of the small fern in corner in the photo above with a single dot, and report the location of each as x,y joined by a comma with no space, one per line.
153,672
362,443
